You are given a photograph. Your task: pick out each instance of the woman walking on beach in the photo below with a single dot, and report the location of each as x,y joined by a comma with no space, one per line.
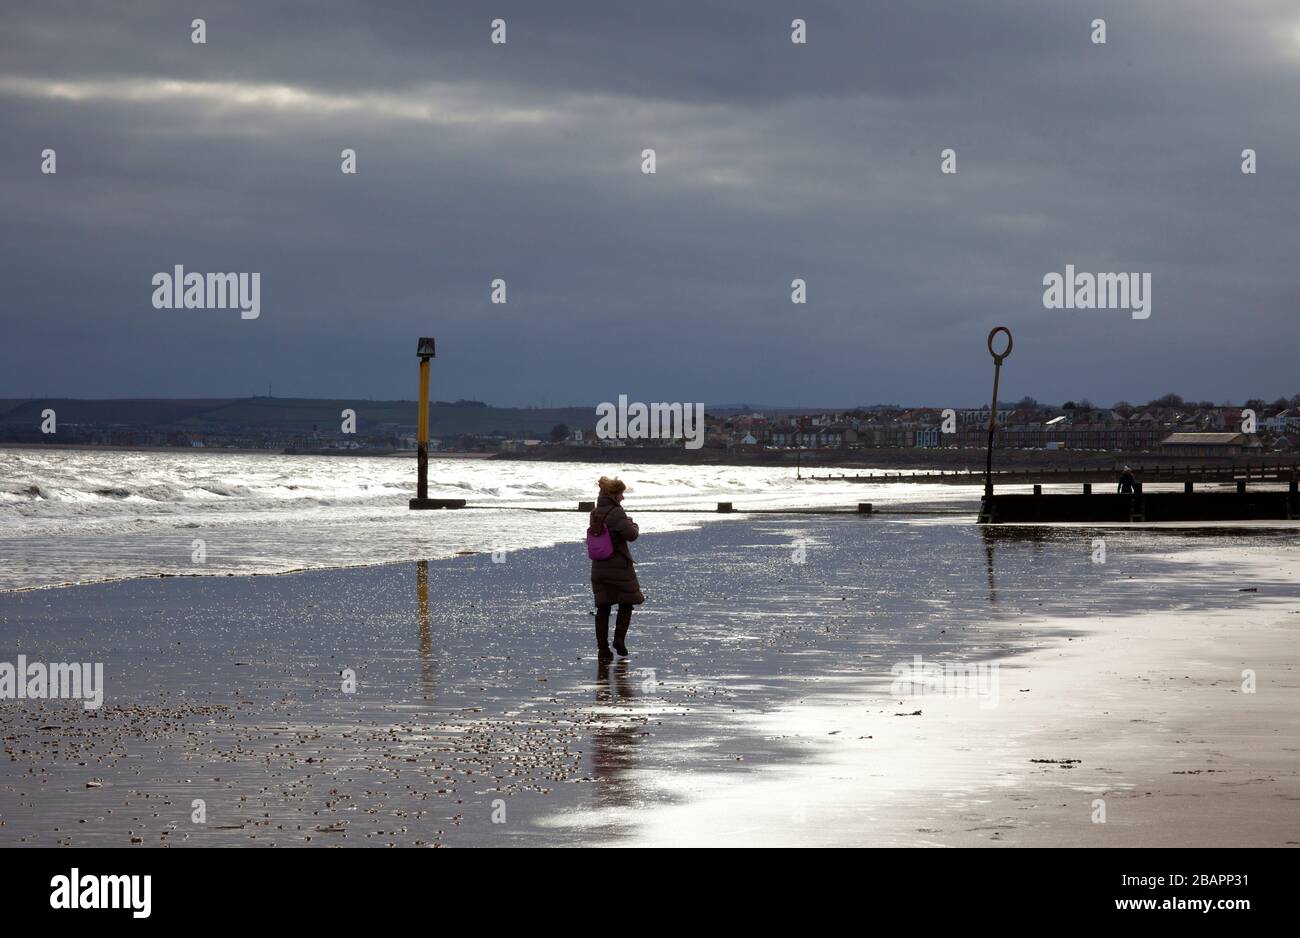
613,573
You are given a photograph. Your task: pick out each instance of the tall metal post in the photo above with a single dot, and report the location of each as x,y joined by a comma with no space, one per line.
986,510
426,351
422,429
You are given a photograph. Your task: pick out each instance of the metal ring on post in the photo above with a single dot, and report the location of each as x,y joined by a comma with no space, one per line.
996,357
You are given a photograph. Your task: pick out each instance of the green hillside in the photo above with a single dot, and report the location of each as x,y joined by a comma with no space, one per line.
125,412
295,414
300,413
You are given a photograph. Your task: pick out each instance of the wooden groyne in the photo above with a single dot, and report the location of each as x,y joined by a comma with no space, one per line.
1265,472
1189,505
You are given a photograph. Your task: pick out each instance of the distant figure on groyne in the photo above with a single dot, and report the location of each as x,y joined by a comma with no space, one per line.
1126,482
613,571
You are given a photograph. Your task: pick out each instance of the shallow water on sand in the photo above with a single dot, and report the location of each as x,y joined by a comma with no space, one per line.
480,715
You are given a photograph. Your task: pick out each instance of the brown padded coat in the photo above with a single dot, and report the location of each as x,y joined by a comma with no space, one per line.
614,580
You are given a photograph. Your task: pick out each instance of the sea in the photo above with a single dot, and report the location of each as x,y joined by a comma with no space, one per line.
71,516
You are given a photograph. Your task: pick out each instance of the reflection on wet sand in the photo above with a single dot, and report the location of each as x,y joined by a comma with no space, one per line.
426,636
613,737
989,538
1037,537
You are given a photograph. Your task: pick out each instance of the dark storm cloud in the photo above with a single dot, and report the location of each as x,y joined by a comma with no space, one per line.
775,161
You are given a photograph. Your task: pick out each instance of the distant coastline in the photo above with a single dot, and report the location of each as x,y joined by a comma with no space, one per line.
1074,435
900,458
247,451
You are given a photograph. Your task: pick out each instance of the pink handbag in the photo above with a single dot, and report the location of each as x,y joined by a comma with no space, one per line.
600,546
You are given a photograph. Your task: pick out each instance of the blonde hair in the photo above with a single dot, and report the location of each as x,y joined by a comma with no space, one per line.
611,487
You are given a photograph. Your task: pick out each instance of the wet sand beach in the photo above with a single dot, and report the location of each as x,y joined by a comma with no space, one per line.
756,709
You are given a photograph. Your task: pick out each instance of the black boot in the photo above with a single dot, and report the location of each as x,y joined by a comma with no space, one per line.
620,629
602,632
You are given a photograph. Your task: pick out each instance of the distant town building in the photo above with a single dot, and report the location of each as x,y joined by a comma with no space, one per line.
1209,444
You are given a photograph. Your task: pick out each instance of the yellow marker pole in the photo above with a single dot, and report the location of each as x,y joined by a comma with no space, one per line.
422,500
422,431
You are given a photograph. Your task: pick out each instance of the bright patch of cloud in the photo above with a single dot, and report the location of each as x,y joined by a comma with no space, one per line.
433,104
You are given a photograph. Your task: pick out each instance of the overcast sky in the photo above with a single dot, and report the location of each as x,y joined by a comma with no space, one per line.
775,161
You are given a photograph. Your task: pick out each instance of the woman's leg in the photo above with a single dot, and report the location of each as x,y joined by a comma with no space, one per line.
620,627
602,629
